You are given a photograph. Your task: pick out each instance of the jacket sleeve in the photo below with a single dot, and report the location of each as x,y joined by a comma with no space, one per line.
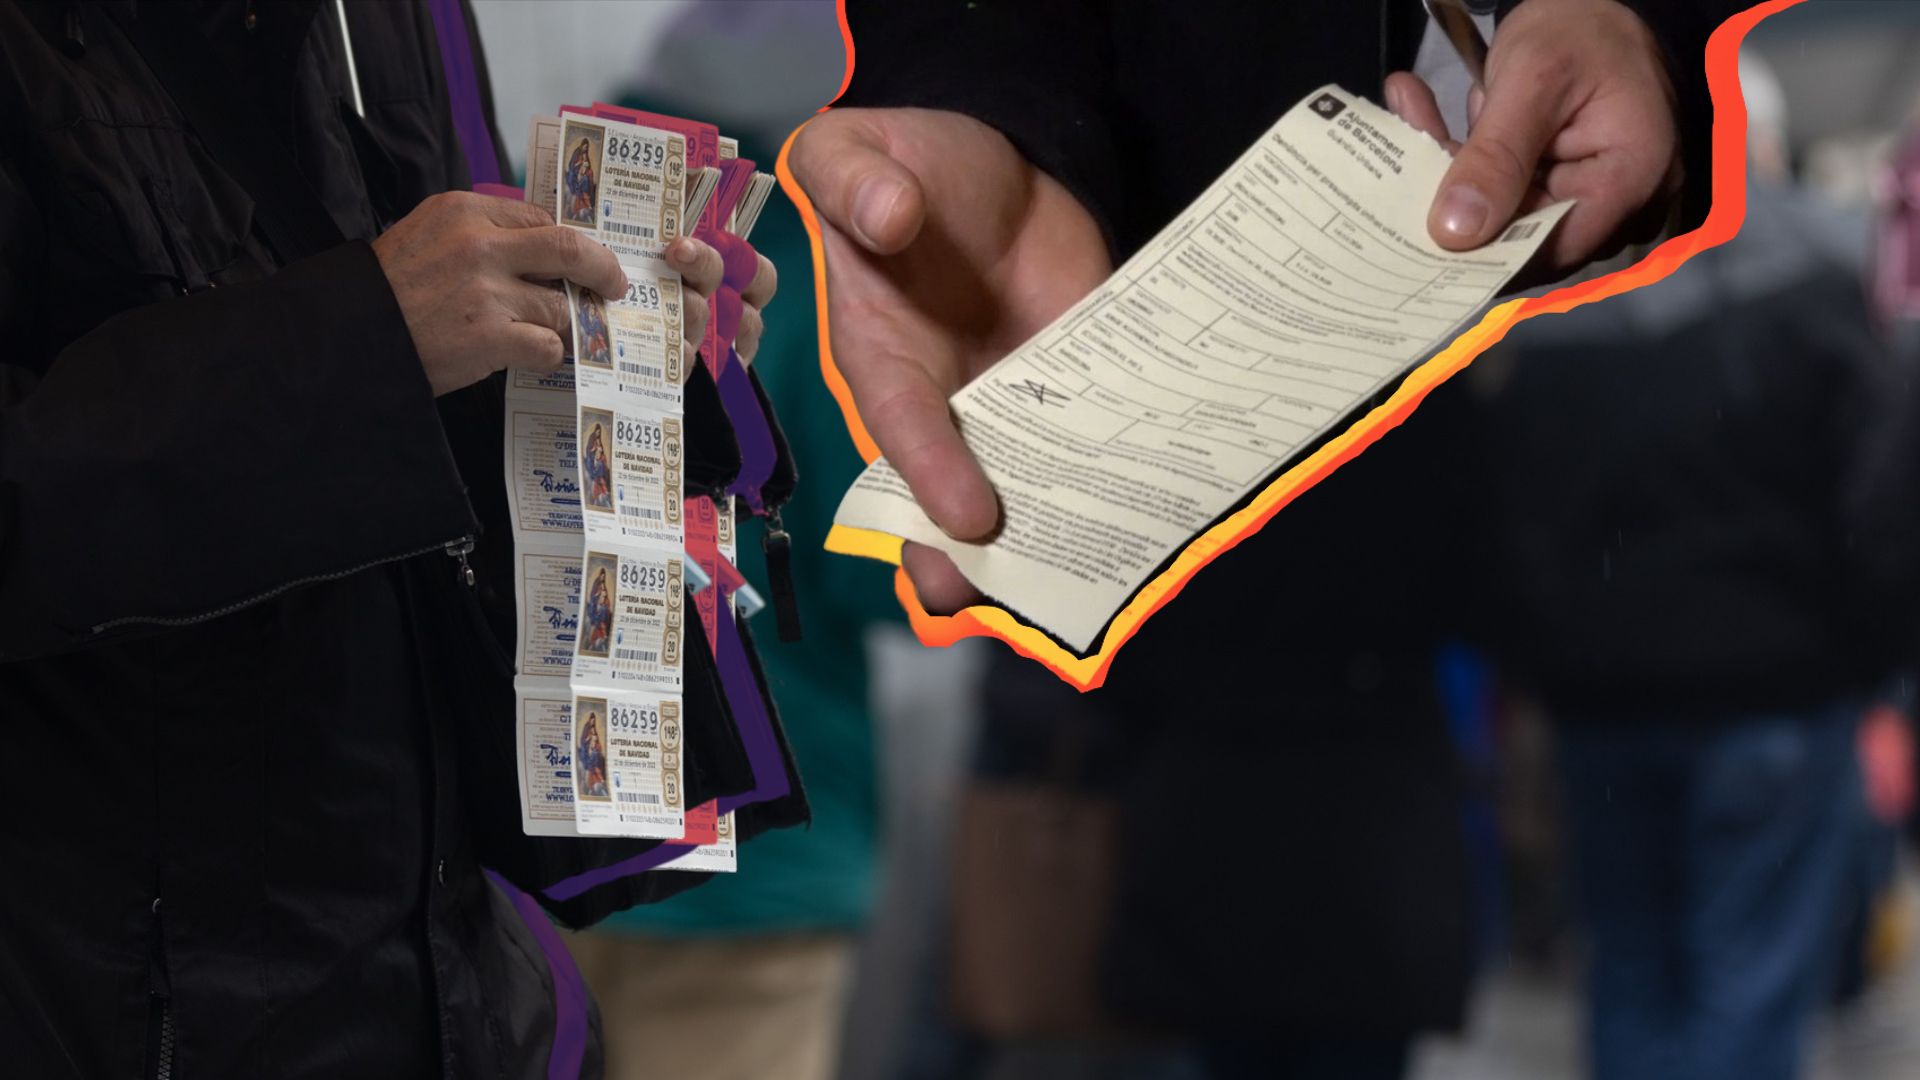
195,454
1038,71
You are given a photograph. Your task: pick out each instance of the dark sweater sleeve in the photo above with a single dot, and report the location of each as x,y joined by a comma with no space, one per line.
193,455
1038,71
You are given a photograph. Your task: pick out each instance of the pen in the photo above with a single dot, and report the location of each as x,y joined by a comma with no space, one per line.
1456,22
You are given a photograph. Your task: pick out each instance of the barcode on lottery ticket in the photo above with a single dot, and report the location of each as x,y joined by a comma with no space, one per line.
649,657
645,371
647,512
639,797
643,232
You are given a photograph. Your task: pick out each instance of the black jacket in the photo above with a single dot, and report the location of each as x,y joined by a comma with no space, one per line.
1687,514
1293,857
245,688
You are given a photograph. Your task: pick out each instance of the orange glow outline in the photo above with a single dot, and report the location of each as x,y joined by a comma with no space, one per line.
1727,212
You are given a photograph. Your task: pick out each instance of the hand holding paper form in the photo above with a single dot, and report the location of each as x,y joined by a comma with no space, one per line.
1301,285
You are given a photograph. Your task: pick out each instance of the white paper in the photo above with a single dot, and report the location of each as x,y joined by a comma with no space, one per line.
1267,315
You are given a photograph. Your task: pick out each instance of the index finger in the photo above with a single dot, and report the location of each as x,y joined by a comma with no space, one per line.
766,281
561,251
512,213
906,412
844,167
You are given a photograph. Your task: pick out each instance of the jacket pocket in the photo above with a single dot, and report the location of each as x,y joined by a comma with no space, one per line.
139,210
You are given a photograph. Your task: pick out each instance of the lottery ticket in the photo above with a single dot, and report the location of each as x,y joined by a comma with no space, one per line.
543,145
631,344
700,187
626,748
622,183
632,616
630,472
720,855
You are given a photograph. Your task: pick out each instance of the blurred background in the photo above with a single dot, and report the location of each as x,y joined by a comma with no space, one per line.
897,937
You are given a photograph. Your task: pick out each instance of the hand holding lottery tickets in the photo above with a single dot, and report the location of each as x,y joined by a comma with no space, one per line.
1577,105
945,249
466,270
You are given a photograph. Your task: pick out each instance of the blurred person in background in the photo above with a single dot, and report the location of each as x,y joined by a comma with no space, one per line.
1685,501
748,976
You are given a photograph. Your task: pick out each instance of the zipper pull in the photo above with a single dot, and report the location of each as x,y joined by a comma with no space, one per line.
778,548
460,549
75,45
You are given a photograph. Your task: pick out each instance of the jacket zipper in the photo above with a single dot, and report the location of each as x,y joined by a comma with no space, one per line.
160,1034
458,549
475,613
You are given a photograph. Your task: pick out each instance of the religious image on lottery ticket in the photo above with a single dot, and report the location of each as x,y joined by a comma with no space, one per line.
623,183
632,612
592,346
596,464
579,186
590,750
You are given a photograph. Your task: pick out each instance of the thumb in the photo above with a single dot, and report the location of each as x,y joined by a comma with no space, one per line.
841,161
1494,170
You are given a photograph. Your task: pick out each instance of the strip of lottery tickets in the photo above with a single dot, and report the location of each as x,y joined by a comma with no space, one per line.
594,457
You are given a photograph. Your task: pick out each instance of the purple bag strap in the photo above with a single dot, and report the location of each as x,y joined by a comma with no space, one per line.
463,90
569,1047
751,429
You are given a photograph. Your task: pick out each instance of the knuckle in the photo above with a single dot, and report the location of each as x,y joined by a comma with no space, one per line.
474,245
567,245
552,309
455,202
747,341
1506,161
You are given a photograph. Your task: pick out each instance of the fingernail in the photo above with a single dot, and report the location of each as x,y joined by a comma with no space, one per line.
1393,99
873,203
1463,211
682,251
